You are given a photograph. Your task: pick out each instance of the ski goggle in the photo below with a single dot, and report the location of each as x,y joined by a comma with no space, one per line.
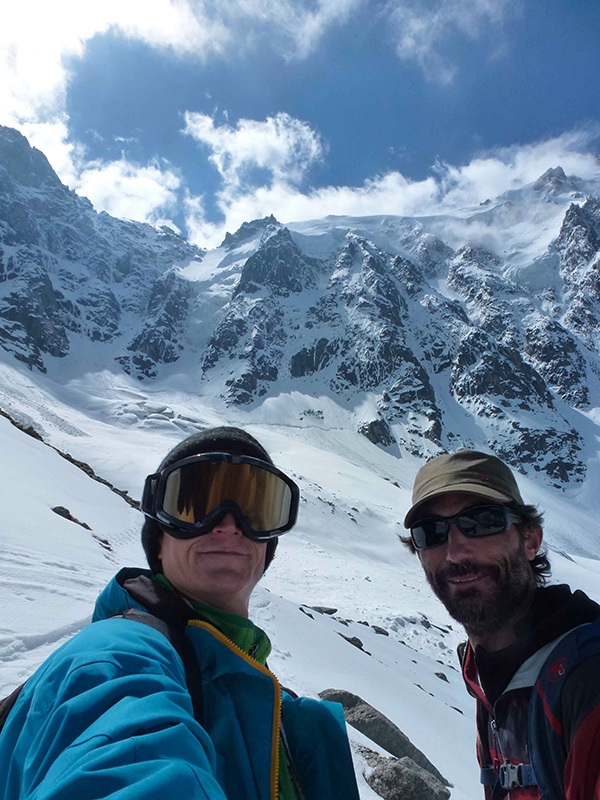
472,522
192,495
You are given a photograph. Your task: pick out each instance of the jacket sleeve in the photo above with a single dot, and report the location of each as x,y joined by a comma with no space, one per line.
581,720
108,716
320,750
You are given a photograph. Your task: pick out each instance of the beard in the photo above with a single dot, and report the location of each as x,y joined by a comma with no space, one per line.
484,609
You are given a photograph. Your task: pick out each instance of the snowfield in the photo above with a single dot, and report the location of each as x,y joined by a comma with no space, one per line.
344,553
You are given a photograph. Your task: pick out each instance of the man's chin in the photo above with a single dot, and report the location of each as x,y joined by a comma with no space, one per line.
464,591
467,605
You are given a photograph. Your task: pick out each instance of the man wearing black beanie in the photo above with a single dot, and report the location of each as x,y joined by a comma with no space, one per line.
214,440
182,705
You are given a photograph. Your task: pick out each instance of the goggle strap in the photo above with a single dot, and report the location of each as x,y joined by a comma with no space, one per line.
148,502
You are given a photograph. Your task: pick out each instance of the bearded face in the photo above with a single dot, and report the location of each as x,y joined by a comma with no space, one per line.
485,582
485,595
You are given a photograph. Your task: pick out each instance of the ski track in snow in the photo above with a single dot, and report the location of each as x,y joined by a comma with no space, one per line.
12,648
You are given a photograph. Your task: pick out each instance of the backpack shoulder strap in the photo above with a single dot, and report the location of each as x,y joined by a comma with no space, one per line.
174,631
546,733
169,614
7,703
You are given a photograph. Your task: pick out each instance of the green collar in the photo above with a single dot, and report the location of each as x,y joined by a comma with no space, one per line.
242,631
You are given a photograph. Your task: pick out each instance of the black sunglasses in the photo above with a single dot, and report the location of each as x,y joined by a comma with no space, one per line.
472,522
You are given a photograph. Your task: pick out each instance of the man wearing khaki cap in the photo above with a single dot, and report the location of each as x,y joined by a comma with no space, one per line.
532,658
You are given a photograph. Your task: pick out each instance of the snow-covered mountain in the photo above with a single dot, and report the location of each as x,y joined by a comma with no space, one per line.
428,340
353,349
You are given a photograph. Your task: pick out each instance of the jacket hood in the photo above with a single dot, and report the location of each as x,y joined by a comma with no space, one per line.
556,610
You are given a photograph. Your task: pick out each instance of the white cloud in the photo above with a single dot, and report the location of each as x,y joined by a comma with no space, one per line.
390,194
448,188
507,168
422,30
299,26
38,39
145,193
141,193
282,146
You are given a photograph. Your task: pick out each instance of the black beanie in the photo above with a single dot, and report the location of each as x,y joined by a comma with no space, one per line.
224,439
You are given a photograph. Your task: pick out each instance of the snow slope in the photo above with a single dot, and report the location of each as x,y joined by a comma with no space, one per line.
343,554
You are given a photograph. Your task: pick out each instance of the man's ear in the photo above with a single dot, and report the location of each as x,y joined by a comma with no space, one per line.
533,542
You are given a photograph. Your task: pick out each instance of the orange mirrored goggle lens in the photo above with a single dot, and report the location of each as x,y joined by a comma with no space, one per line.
193,490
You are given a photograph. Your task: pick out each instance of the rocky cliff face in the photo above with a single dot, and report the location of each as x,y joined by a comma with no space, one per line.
66,270
431,346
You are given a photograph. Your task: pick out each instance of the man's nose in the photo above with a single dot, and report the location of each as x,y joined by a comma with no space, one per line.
227,524
458,547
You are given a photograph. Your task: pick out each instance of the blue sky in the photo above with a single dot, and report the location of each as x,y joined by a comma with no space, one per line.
202,115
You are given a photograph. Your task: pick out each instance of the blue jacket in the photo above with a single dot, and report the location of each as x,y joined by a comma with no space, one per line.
108,715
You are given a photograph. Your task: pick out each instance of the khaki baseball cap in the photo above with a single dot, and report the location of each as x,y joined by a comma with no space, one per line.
465,471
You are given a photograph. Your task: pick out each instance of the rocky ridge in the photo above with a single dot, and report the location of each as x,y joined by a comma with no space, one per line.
68,271
389,320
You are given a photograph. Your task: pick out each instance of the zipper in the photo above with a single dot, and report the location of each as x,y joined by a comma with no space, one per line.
498,745
497,740
276,727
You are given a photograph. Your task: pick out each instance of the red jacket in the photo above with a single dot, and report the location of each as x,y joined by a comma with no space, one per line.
565,745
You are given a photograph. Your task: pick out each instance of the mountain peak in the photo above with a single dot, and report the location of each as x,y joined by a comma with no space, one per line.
554,181
248,230
24,164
